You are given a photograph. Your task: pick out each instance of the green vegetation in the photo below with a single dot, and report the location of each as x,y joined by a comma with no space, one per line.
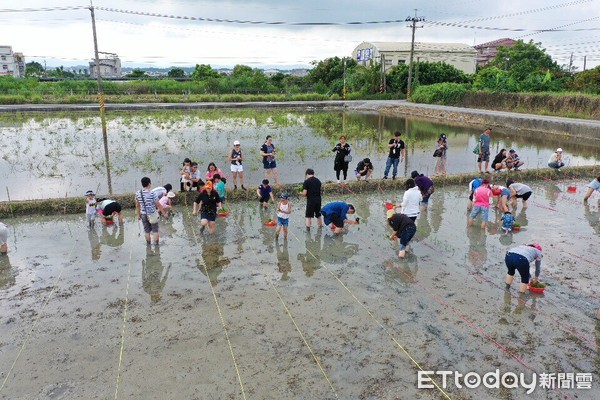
440,93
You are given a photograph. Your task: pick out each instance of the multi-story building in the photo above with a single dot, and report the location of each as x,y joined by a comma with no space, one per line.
12,64
459,55
109,67
487,51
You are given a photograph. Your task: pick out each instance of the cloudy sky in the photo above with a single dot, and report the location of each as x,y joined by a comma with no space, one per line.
64,37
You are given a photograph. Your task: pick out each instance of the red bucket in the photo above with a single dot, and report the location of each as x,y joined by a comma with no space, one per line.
516,228
572,189
536,289
270,223
389,206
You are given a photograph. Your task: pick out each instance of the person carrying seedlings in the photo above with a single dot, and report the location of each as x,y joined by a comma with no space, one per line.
284,209
425,185
267,151
237,169
265,193
503,195
219,185
311,189
90,208
207,203
108,209
518,259
396,155
473,185
3,238
147,207
518,191
508,221
593,185
411,201
404,229
364,168
555,161
336,213
482,197
167,202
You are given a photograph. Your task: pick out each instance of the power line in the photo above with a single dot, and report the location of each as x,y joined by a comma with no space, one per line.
16,10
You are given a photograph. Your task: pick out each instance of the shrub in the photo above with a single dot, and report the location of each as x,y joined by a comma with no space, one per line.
440,93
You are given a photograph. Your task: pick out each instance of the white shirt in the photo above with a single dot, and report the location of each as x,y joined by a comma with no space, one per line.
283,207
411,202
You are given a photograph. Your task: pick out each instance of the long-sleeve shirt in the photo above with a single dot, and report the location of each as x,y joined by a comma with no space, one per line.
530,253
423,183
399,222
411,202
337,207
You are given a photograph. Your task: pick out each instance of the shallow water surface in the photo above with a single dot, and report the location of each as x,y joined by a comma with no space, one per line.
58,155
346,301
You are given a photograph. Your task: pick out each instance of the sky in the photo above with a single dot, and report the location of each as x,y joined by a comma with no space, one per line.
64,37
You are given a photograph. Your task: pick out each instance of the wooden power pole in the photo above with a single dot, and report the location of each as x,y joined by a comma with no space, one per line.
414,21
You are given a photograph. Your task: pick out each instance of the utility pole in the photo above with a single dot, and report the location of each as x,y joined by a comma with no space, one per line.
414,21
382,82
101,100
584,62
344,78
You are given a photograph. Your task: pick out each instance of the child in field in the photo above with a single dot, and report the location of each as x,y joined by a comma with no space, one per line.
508,221
482,196
90,208
220,186
284,209
167,202
264,192
185,174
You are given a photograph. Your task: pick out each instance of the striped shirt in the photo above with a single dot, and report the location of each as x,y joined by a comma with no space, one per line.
147,206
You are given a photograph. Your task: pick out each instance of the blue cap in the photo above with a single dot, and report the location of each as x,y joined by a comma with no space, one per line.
284,195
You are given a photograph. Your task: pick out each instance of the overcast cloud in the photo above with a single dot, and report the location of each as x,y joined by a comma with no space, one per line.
65,38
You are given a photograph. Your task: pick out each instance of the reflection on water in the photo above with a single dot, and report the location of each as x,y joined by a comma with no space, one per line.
7,274
113,235
552,192
336,251
477,254
403,270
95,244
58,154
283,260
311,259
153,280
436,208
213,252
593,218
423,226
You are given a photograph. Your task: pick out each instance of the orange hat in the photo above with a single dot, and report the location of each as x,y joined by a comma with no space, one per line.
208,185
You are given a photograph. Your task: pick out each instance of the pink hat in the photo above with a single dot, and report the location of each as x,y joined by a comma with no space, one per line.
537,246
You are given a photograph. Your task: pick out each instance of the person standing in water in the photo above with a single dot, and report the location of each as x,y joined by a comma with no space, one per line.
518,259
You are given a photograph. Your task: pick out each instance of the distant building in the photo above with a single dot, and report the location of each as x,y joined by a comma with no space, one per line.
270,72
487,51
109,68
459,55
299,72
11,63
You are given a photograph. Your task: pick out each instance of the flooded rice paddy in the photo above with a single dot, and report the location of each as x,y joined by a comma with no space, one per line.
55,155
98,314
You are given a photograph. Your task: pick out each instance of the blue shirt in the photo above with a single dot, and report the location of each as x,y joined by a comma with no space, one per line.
485,142
264,191
337,207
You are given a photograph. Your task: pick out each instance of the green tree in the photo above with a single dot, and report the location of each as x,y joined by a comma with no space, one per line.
60,72
176,73
241,70
362,79
523,59
587,81
34,69
137,73
330,69
204,71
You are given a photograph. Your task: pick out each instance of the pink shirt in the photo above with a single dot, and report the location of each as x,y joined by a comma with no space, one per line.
209,175
165,201
482,196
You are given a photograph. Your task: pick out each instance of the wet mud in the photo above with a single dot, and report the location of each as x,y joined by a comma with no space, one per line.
98,314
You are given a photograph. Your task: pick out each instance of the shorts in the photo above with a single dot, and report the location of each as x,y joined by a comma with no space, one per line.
506,192
524,196
208,217
264,199
361,173
237,168
333,219
483,156
269,164
594,185
313,209
148,227
111,208
3,234
519,263
485,212
282,221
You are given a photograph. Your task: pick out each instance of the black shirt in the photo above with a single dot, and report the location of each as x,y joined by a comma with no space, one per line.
313,188
399,222
209,201
397,149
234,155
341,152
361,165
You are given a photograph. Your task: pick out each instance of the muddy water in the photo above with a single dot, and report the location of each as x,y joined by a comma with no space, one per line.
367,316
53,155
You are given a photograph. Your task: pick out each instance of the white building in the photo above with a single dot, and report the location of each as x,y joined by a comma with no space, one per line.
109,68
12,64
459,55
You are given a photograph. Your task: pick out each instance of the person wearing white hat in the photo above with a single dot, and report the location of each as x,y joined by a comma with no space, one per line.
235,157
167,202
555,160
